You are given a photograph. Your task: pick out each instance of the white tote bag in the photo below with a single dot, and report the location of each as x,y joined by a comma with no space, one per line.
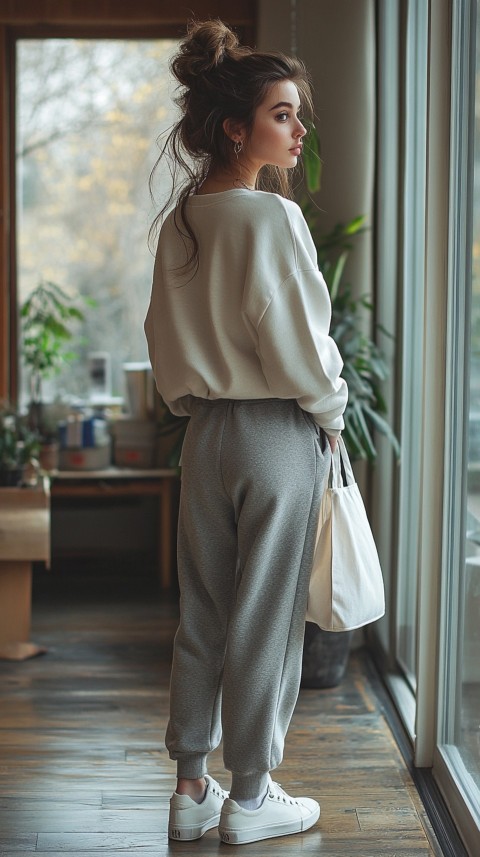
346,586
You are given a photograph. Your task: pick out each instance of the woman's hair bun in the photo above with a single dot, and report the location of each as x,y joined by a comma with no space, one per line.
205,46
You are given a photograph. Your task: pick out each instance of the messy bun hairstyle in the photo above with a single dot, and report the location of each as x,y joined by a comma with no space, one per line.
219,79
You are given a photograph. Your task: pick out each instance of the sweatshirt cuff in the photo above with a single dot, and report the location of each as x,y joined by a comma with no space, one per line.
332,427
332,432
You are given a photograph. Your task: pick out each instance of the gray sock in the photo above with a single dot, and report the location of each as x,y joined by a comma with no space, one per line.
252,803
247,787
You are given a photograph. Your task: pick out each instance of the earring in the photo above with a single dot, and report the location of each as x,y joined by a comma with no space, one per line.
237,148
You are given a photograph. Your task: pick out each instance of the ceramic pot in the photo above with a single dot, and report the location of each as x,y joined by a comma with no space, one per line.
48,456
325,656
11,478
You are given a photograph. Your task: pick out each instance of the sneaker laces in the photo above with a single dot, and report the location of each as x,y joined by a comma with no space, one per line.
218,791
276,792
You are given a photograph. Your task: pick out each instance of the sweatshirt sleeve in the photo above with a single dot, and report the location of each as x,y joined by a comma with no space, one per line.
299,358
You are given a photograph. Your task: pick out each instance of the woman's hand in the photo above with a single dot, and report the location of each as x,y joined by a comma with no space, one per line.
333,442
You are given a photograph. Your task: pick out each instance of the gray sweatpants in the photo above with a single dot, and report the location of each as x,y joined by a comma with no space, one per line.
253,473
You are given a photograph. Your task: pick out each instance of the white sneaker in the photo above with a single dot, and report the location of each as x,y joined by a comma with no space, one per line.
278,815
189,819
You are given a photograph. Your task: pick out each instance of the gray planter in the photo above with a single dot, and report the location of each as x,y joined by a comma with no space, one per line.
325,656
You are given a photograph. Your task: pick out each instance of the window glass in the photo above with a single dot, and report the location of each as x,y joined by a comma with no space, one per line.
466,733
413,272
89,113
457,757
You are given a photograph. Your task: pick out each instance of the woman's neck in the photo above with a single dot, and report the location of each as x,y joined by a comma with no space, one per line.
221,180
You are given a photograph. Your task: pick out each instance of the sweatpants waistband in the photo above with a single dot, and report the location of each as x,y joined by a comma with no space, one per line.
196,400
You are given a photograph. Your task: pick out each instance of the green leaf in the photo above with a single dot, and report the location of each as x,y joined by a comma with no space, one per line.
384,428
312,163
385,332
355,225
337,274
362,424
352,441
48,317
379,367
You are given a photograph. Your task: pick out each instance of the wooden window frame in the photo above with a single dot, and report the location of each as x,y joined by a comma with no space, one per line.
41,19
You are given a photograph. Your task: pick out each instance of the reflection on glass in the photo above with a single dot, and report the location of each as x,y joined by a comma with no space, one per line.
468,726
406,634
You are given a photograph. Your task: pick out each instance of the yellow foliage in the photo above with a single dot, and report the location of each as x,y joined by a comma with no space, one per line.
116,115
143,92
119,189
118,208
85,183
119,141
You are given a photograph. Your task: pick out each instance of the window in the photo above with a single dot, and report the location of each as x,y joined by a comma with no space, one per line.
414,189
457,759
89,112
432,648
400,238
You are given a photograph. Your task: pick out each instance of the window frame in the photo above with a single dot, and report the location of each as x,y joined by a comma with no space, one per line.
414,196
405,32
448,767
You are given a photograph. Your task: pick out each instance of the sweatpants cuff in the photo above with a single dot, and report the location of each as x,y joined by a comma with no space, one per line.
247,786
192,767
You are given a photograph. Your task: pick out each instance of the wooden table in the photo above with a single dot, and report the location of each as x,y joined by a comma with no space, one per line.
128,482
24,538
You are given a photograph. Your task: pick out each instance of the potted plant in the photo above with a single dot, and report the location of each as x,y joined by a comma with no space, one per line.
325,654
47,316
18,446
365,368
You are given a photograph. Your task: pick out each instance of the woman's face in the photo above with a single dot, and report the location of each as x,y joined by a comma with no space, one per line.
276,136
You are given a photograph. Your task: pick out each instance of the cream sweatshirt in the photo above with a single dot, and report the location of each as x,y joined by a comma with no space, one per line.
253,321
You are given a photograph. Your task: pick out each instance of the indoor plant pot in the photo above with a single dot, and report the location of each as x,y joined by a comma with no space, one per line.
18,446
325,656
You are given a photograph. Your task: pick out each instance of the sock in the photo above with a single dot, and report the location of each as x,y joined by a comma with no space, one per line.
251,803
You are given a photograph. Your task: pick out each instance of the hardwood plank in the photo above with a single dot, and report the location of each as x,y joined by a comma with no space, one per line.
40,802
78,842
71,820
18,842
394,818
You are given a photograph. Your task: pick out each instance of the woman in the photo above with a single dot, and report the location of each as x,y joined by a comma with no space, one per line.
237,330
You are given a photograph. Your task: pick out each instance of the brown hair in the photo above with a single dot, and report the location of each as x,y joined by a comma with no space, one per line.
220,79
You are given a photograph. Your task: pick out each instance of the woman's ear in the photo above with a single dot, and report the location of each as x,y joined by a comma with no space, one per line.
234,130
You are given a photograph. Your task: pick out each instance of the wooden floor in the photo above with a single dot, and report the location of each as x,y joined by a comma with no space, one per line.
83,766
